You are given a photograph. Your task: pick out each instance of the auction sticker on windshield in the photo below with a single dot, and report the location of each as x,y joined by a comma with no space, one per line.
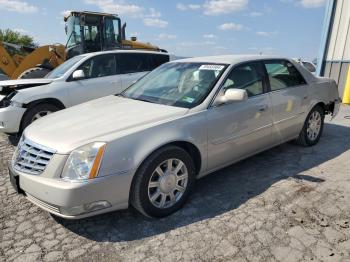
211,67
188,99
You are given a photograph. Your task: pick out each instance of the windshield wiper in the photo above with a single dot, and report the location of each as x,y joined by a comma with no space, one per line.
143,100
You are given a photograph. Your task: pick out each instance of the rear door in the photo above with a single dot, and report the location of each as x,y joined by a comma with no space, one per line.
132,67
288,92
157,60
101,79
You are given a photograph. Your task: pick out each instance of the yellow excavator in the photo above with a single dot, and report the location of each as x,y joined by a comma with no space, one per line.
86,32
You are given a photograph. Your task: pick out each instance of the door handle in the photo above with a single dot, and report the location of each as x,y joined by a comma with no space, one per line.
305,97
263,108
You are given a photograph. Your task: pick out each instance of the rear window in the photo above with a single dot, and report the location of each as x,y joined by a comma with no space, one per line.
139,62
283,74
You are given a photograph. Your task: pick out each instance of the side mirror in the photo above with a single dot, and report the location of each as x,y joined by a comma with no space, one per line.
133,38
78,74
231,95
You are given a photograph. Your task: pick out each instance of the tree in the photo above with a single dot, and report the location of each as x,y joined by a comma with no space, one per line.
17,38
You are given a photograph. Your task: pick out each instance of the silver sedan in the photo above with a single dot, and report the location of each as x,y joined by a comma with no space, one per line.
184,120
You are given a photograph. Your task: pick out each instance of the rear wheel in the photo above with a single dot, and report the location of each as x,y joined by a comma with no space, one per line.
36,112
163,182
313,127
35,72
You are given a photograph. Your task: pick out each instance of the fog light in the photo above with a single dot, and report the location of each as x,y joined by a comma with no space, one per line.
78,210
72,211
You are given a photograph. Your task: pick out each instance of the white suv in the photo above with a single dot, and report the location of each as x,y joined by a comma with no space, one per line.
78,80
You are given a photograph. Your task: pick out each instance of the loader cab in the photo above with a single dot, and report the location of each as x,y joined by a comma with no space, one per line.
91,32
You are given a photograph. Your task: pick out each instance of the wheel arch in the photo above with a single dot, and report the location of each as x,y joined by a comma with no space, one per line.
328,108
320,104
192,150
52,101
188,146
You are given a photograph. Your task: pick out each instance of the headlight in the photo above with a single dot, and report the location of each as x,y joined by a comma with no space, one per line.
84,162
15,104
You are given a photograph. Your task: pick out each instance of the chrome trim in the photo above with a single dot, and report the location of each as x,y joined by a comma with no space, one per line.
32,158
42,204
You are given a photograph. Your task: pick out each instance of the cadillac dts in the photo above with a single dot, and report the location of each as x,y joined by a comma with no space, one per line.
146,146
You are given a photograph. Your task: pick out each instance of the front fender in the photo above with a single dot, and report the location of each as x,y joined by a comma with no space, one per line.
128,152
29,95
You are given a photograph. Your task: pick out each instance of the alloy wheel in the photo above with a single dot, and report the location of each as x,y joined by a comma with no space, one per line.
168,183
314,125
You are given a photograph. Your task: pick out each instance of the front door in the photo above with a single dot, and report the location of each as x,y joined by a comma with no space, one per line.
239,129
101,79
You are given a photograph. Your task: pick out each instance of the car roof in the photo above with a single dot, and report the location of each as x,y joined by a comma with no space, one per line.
229,59
124,51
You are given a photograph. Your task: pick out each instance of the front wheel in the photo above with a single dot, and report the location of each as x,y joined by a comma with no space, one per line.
313,127
163,182
36,112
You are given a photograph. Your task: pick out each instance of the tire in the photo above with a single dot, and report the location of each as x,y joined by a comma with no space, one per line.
35,72
30,115
142,191
305,139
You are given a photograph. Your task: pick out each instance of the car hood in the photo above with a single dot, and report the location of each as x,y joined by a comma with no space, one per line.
8,85
93,121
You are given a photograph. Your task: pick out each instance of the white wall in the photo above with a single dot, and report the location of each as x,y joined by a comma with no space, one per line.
337,55
339,45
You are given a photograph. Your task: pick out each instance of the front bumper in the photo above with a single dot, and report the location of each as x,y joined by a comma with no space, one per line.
10,119
58,197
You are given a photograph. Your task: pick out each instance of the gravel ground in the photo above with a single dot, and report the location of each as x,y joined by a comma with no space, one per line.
286,204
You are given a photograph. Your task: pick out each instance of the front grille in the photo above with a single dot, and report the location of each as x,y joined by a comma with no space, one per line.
31,158
42,204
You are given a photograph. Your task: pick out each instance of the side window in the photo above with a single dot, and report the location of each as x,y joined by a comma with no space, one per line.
157,60
283,74
132,63
99,66
246,77
111,31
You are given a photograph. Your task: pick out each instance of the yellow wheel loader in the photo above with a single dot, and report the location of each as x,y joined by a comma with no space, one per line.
25,62
86,32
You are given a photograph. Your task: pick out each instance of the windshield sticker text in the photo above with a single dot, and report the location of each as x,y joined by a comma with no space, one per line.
211,67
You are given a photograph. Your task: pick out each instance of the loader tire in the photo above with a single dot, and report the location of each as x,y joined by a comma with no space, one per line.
35,72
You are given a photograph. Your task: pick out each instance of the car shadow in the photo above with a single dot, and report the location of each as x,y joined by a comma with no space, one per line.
222,191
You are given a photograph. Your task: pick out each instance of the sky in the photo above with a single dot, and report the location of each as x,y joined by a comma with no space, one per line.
290,28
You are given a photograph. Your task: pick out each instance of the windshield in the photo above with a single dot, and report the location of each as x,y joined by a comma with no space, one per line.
73,31
177,84
63,68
